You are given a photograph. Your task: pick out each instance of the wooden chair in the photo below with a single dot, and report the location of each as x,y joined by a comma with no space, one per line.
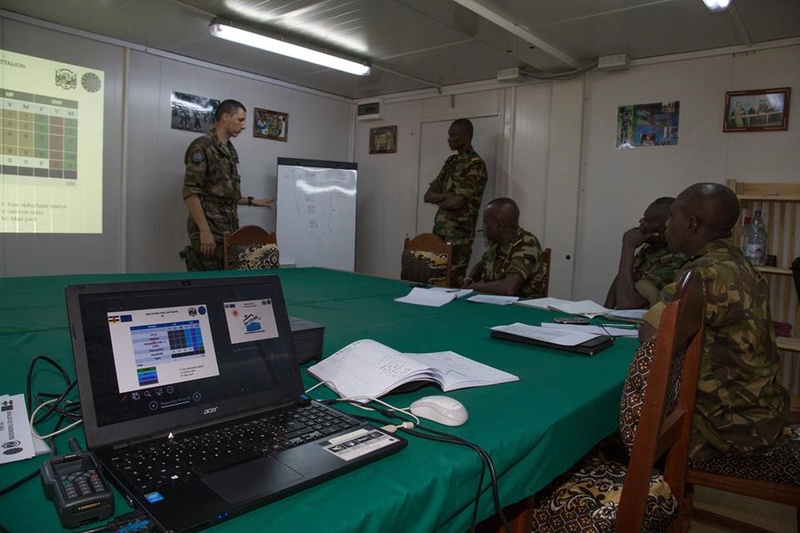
546,259
250,248
427,259
662,429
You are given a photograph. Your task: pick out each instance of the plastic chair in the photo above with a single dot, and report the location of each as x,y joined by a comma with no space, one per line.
427,259
250,248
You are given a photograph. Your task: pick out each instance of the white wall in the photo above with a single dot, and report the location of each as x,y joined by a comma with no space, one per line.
618,184
144,217
319,128
557,156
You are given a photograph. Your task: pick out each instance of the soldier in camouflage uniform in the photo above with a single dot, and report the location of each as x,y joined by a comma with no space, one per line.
458,190
513,264
740,405
211,188
642,274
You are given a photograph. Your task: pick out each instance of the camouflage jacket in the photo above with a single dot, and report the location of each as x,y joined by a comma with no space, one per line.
740,405
211,174
653,269
523,256
464,175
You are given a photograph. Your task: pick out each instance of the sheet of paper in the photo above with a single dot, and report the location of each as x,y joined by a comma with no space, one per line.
492,299
586,308
595,330
462,372
459,293
627,314
16,441
555,336
427,297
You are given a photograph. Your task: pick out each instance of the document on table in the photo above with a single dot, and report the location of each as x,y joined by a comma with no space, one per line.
492,299
628,315
595,330
586,308
367,369
427,297
459,293
16,440
551,335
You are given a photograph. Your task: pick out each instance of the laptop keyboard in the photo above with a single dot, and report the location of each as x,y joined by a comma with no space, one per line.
176,460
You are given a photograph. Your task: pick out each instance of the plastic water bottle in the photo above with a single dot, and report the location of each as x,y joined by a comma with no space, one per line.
755,240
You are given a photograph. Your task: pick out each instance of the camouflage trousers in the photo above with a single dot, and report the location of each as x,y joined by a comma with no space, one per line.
197,262
461,255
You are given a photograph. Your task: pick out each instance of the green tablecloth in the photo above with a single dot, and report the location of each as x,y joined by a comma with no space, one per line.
533,429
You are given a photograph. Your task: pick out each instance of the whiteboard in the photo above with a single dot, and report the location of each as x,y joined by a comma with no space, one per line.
316,213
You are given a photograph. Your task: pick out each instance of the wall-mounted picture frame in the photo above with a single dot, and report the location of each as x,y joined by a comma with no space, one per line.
270,124
383,140
191,112
758,110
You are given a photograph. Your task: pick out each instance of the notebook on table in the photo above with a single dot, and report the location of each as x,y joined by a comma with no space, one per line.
193,402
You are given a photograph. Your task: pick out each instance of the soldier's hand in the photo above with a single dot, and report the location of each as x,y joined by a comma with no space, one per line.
207,243
264,202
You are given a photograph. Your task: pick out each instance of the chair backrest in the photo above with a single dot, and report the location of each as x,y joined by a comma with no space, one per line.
250,248
665,423
427,259
546,259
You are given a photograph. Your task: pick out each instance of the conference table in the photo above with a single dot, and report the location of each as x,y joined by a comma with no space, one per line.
533,429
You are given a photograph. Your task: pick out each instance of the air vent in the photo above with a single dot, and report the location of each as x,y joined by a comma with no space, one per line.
369,111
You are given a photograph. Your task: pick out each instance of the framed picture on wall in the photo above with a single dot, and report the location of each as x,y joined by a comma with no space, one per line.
759,110
383,140
270,124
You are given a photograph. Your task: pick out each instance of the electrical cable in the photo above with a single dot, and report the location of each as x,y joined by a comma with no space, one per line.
486,462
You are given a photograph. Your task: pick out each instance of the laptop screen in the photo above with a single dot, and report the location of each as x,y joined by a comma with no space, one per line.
155,357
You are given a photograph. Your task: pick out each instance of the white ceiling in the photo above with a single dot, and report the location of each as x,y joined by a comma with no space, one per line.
417,44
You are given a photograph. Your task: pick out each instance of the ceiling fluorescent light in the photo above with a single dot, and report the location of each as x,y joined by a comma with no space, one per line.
717,5
226,31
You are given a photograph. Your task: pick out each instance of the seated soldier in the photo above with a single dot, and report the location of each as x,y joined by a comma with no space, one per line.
642,274
512,264
740,407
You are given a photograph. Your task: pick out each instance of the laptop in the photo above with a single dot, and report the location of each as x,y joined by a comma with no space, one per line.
203,373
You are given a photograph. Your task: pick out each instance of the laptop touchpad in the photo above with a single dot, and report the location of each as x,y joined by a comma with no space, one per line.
254,479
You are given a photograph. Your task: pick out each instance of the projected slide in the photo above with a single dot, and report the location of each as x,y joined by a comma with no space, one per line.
51,146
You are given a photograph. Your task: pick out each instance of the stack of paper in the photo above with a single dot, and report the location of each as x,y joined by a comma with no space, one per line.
596,330
433,296
586,308
627,315
15,433
492,299
553,336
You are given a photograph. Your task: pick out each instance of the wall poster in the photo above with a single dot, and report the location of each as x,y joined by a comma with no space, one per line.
648,125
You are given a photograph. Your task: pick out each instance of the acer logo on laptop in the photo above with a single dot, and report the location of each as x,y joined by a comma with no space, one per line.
210,411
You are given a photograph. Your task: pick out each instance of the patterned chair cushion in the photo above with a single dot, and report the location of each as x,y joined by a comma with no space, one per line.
630,404
778,464
424,267
587,499
253,256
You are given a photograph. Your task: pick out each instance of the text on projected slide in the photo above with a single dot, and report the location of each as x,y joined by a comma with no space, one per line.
51,146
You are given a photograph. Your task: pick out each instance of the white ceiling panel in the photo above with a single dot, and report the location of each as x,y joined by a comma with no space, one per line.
417,44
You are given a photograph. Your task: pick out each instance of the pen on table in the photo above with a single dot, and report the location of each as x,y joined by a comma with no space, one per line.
631,326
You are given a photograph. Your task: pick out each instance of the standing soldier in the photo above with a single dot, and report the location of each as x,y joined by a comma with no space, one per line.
211,188
458,190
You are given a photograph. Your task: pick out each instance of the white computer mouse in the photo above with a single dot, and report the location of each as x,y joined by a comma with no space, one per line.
440,409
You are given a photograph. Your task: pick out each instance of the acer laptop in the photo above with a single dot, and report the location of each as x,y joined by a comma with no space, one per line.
193,402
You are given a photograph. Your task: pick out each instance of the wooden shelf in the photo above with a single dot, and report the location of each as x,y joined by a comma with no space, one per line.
789,343
775,270
769,197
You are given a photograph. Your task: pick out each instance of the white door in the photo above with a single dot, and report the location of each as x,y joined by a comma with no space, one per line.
433,153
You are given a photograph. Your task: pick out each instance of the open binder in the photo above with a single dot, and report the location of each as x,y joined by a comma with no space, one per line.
590,347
